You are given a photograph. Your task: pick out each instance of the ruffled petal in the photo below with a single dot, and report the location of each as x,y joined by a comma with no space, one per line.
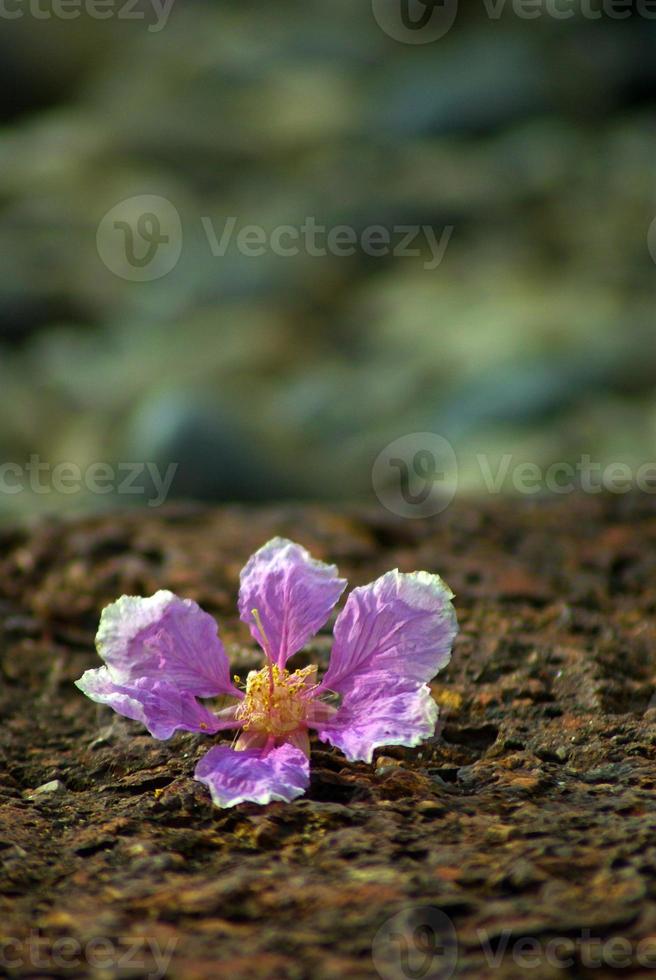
391,638
158,705
371,717
292,593
164,638
257,775
397,632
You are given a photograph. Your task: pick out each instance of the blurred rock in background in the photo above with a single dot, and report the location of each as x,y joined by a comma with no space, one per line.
527,143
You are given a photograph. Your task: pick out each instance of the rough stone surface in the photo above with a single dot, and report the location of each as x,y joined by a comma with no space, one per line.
531,816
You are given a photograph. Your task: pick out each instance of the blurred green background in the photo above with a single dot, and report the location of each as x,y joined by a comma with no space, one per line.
273,376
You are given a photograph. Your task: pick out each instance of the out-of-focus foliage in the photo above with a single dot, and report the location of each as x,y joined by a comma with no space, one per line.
273,376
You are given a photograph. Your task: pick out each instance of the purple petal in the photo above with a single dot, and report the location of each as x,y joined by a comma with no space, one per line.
164,638
398,632
233,777
373,715
292,593
158,705
391,637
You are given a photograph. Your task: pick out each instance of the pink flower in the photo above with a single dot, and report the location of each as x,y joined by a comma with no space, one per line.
162,654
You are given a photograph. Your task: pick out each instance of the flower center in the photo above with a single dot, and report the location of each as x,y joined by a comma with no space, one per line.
276,701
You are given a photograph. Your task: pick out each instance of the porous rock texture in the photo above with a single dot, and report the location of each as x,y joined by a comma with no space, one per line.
531,816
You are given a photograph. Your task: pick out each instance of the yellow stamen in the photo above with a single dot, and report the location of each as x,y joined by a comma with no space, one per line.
265,647
258,622
276,701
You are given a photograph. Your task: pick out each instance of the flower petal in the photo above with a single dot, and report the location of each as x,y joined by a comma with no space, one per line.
164,638
372,716
257,775
391,637
292,593
398,631
158,705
